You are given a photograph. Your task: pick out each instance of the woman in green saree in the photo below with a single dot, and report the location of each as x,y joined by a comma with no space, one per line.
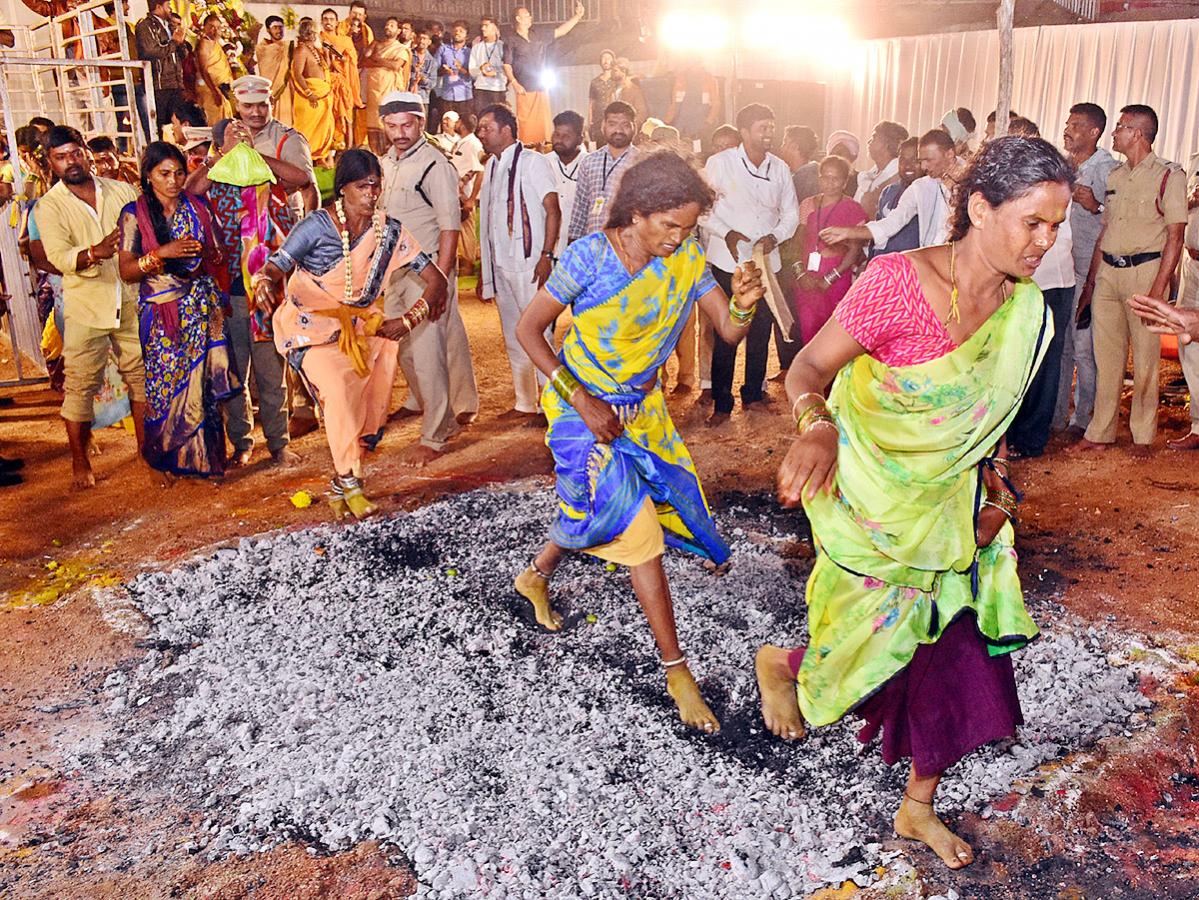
914,602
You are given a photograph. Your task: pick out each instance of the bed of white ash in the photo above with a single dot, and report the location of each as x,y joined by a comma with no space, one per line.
384,681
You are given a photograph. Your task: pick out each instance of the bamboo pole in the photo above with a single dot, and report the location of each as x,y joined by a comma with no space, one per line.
1003,106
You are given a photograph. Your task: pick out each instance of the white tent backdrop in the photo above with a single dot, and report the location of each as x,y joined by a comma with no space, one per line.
915,80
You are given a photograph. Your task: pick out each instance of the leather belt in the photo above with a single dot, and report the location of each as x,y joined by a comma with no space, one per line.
1127,262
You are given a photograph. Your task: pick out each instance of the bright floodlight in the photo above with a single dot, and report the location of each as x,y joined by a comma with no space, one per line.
695,30
549,79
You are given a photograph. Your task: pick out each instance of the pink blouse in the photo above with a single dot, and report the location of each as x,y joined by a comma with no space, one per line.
887,313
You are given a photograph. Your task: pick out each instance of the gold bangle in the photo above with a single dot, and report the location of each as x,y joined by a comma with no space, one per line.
741,317
808,419
564,382
820,401
816,410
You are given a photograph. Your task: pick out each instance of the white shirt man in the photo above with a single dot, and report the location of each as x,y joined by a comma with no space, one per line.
754,200
468,159
566,175
928,199
1188,354
875,179
513,219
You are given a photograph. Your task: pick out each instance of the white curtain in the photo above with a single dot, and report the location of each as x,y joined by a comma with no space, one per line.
915,80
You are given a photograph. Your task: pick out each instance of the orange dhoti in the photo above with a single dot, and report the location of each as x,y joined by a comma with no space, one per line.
314,118
533,117
347,93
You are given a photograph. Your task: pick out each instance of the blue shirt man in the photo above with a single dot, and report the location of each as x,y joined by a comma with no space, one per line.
453,65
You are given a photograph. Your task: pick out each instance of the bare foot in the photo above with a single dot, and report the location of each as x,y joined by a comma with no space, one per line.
93,449
466,418
780,708
513,414
681,686
241,458
1085,446
536,590
84,477
535,421
286,458
917,821
764,405
418,456
1140,451
716,419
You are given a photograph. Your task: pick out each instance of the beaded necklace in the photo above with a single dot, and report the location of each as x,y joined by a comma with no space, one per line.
344,229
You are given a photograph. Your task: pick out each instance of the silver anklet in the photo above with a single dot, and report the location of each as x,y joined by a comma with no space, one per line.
681,661
537,571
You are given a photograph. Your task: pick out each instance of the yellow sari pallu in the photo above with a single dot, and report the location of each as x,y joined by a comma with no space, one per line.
329,339
622,500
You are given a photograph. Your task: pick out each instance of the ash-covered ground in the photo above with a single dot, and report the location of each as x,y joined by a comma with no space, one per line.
384,681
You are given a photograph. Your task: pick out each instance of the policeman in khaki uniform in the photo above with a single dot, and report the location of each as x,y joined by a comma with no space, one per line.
420,188
1137,252
1188,354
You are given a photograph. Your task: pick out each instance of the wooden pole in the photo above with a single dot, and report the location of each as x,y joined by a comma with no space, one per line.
1003,106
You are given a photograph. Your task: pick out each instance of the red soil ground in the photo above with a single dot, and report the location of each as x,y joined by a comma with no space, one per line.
1114,536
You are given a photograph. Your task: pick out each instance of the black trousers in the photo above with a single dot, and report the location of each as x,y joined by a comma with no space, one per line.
166,100
787,351
724,356
1029,431
484,99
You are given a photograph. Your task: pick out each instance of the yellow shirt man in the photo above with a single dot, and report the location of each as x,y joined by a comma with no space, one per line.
99,309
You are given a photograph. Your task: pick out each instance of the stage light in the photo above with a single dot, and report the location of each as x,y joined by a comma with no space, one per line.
549,79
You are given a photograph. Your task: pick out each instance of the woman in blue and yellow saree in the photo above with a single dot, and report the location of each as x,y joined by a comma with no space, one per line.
914,602
626,484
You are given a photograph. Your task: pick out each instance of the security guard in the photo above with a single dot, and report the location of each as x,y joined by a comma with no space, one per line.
1137,253
1188,354
420,188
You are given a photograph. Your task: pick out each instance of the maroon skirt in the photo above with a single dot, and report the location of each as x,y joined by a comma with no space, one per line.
951,699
